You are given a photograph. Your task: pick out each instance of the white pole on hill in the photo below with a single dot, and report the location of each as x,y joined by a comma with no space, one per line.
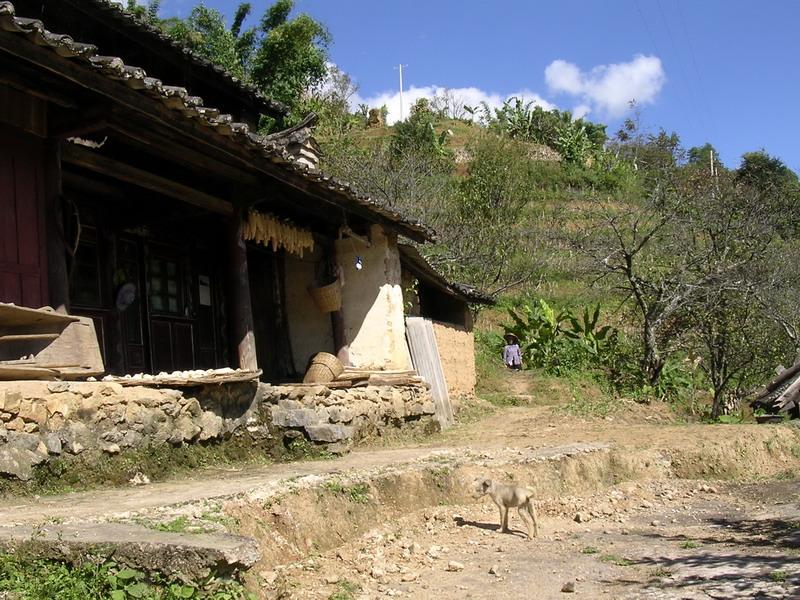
400,68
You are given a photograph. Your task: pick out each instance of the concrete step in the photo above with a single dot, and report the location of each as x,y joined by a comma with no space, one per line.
189,556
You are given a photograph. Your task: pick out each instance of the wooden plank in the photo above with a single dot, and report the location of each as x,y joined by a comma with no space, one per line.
28,337
77,343
238,377
789,395
14,317
144,139
425,355
110,167
782,377
17,372
57,271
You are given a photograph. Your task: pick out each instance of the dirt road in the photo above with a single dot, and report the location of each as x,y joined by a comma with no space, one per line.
668,540
685,534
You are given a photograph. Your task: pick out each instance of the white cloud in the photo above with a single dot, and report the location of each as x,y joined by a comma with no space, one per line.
470,96
609,88
581,111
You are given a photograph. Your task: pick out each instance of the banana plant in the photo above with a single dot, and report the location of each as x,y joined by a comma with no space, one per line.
586,332
539,329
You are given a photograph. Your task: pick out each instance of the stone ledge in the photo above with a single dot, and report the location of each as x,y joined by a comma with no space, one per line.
189,556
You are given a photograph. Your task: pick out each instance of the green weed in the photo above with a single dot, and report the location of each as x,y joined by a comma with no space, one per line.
689,545
615,560
358,493
778,576
92,470
590,550
41,579
346,590
301,449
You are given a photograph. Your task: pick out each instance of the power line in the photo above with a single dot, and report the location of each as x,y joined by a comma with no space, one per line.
678,58
693,56
656,47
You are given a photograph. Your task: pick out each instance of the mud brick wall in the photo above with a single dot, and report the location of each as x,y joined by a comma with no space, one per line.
457,352
42,420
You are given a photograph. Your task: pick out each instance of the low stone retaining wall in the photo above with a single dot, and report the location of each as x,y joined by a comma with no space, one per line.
344,416
41,420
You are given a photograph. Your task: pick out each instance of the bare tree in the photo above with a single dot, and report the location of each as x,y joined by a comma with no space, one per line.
690,259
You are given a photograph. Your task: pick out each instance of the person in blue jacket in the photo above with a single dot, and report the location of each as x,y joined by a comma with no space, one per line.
512,355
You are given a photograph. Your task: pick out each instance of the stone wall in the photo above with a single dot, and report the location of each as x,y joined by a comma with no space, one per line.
41,420
457,352
344,416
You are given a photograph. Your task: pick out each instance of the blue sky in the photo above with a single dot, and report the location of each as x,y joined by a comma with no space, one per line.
724,71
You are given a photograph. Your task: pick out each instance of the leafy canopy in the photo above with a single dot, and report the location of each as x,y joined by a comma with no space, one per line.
282,56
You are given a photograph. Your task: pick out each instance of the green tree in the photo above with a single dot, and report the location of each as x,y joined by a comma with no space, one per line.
765,171
147,13
282,56
417,134
206,34
290,54
701,155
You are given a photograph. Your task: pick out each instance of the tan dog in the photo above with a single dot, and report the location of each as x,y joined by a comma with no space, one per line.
510,496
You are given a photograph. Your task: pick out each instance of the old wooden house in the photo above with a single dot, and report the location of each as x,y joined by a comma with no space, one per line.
135,190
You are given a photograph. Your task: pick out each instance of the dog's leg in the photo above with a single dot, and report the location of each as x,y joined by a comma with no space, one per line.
532,512
500,508
505,519
523,514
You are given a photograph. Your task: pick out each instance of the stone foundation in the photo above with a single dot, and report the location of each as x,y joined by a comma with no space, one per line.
344,416
41,420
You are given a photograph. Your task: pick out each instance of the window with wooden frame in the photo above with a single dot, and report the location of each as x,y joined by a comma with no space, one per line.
165,285
86,287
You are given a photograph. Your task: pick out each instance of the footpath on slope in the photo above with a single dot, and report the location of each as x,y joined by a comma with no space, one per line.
286,511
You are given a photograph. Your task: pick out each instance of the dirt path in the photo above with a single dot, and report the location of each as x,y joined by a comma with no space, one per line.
660,541
211,483
522,427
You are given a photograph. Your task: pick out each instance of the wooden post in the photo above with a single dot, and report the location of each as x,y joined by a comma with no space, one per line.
57,272
337,319
241,311
337,323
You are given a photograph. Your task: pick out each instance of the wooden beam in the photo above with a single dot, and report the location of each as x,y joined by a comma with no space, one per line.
110,167
87,121
141,137
58,274
23,85
93,186
241,321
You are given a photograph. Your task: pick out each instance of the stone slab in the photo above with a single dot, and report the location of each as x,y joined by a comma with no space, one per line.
190,556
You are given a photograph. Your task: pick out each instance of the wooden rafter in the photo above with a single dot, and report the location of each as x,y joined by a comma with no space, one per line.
110,167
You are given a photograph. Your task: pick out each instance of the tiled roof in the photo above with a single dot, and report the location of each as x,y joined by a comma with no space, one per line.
115,11
417,263
283,148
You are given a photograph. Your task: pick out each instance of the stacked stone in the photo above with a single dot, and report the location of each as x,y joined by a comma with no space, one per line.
43,419
40,420
345,415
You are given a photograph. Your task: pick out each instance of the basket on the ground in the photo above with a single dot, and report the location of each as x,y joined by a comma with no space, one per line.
324,368
328,298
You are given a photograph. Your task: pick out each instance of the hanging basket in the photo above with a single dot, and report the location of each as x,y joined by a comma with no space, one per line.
324,368
328,298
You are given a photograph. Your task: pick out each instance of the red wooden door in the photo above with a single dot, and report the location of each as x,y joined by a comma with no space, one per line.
23,266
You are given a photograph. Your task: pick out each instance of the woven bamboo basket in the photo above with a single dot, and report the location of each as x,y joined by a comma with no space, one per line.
328,298
324,368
